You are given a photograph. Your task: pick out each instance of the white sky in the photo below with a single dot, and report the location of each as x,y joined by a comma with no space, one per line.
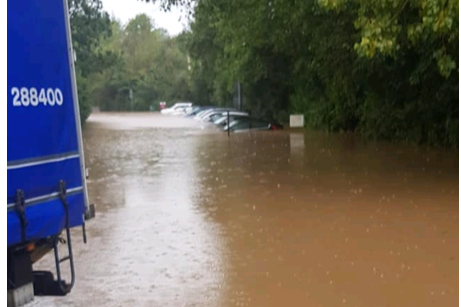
124,10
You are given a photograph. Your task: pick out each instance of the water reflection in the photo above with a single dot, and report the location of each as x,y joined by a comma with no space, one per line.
149,244
329,221
190,217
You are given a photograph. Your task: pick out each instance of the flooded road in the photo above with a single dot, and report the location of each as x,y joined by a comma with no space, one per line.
189,217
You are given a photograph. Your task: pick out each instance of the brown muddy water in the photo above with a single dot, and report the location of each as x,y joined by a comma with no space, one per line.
189,217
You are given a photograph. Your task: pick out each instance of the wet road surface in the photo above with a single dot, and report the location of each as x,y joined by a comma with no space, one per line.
188,217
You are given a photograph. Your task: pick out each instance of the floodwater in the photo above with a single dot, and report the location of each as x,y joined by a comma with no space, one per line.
189,217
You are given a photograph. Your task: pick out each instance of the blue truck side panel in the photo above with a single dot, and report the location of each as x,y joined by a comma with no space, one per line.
41,227
42,136
40,180
38,57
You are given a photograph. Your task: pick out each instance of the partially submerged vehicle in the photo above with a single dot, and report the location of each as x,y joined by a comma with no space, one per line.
223,116
177,108
197,109
222,121
251,124
206,117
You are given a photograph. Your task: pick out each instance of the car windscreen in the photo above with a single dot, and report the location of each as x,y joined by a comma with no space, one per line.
220,120
248,124
216,116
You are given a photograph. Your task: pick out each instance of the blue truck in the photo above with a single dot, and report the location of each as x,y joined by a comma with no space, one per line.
46,181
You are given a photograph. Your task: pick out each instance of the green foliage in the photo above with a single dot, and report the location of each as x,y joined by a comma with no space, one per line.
387,69
147,61
89,24
387,25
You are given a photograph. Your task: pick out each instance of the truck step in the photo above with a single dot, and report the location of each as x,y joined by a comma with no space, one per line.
46,285
21,296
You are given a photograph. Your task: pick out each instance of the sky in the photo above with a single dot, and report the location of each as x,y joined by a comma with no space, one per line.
124,10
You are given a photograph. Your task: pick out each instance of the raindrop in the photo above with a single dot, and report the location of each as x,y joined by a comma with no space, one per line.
443,292
328,272
254,207
331,282
382,275
368,230
352,263
347,240
278,185
344,300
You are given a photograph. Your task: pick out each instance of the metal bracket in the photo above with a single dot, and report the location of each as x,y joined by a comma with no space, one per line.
20,210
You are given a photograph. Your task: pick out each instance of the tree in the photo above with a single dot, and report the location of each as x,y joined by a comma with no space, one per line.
383,68
149,62
386,26
89,24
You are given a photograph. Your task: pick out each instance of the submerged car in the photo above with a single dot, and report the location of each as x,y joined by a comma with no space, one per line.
196,110
212,117
222,119
177,108
249,124
215,112
203,115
